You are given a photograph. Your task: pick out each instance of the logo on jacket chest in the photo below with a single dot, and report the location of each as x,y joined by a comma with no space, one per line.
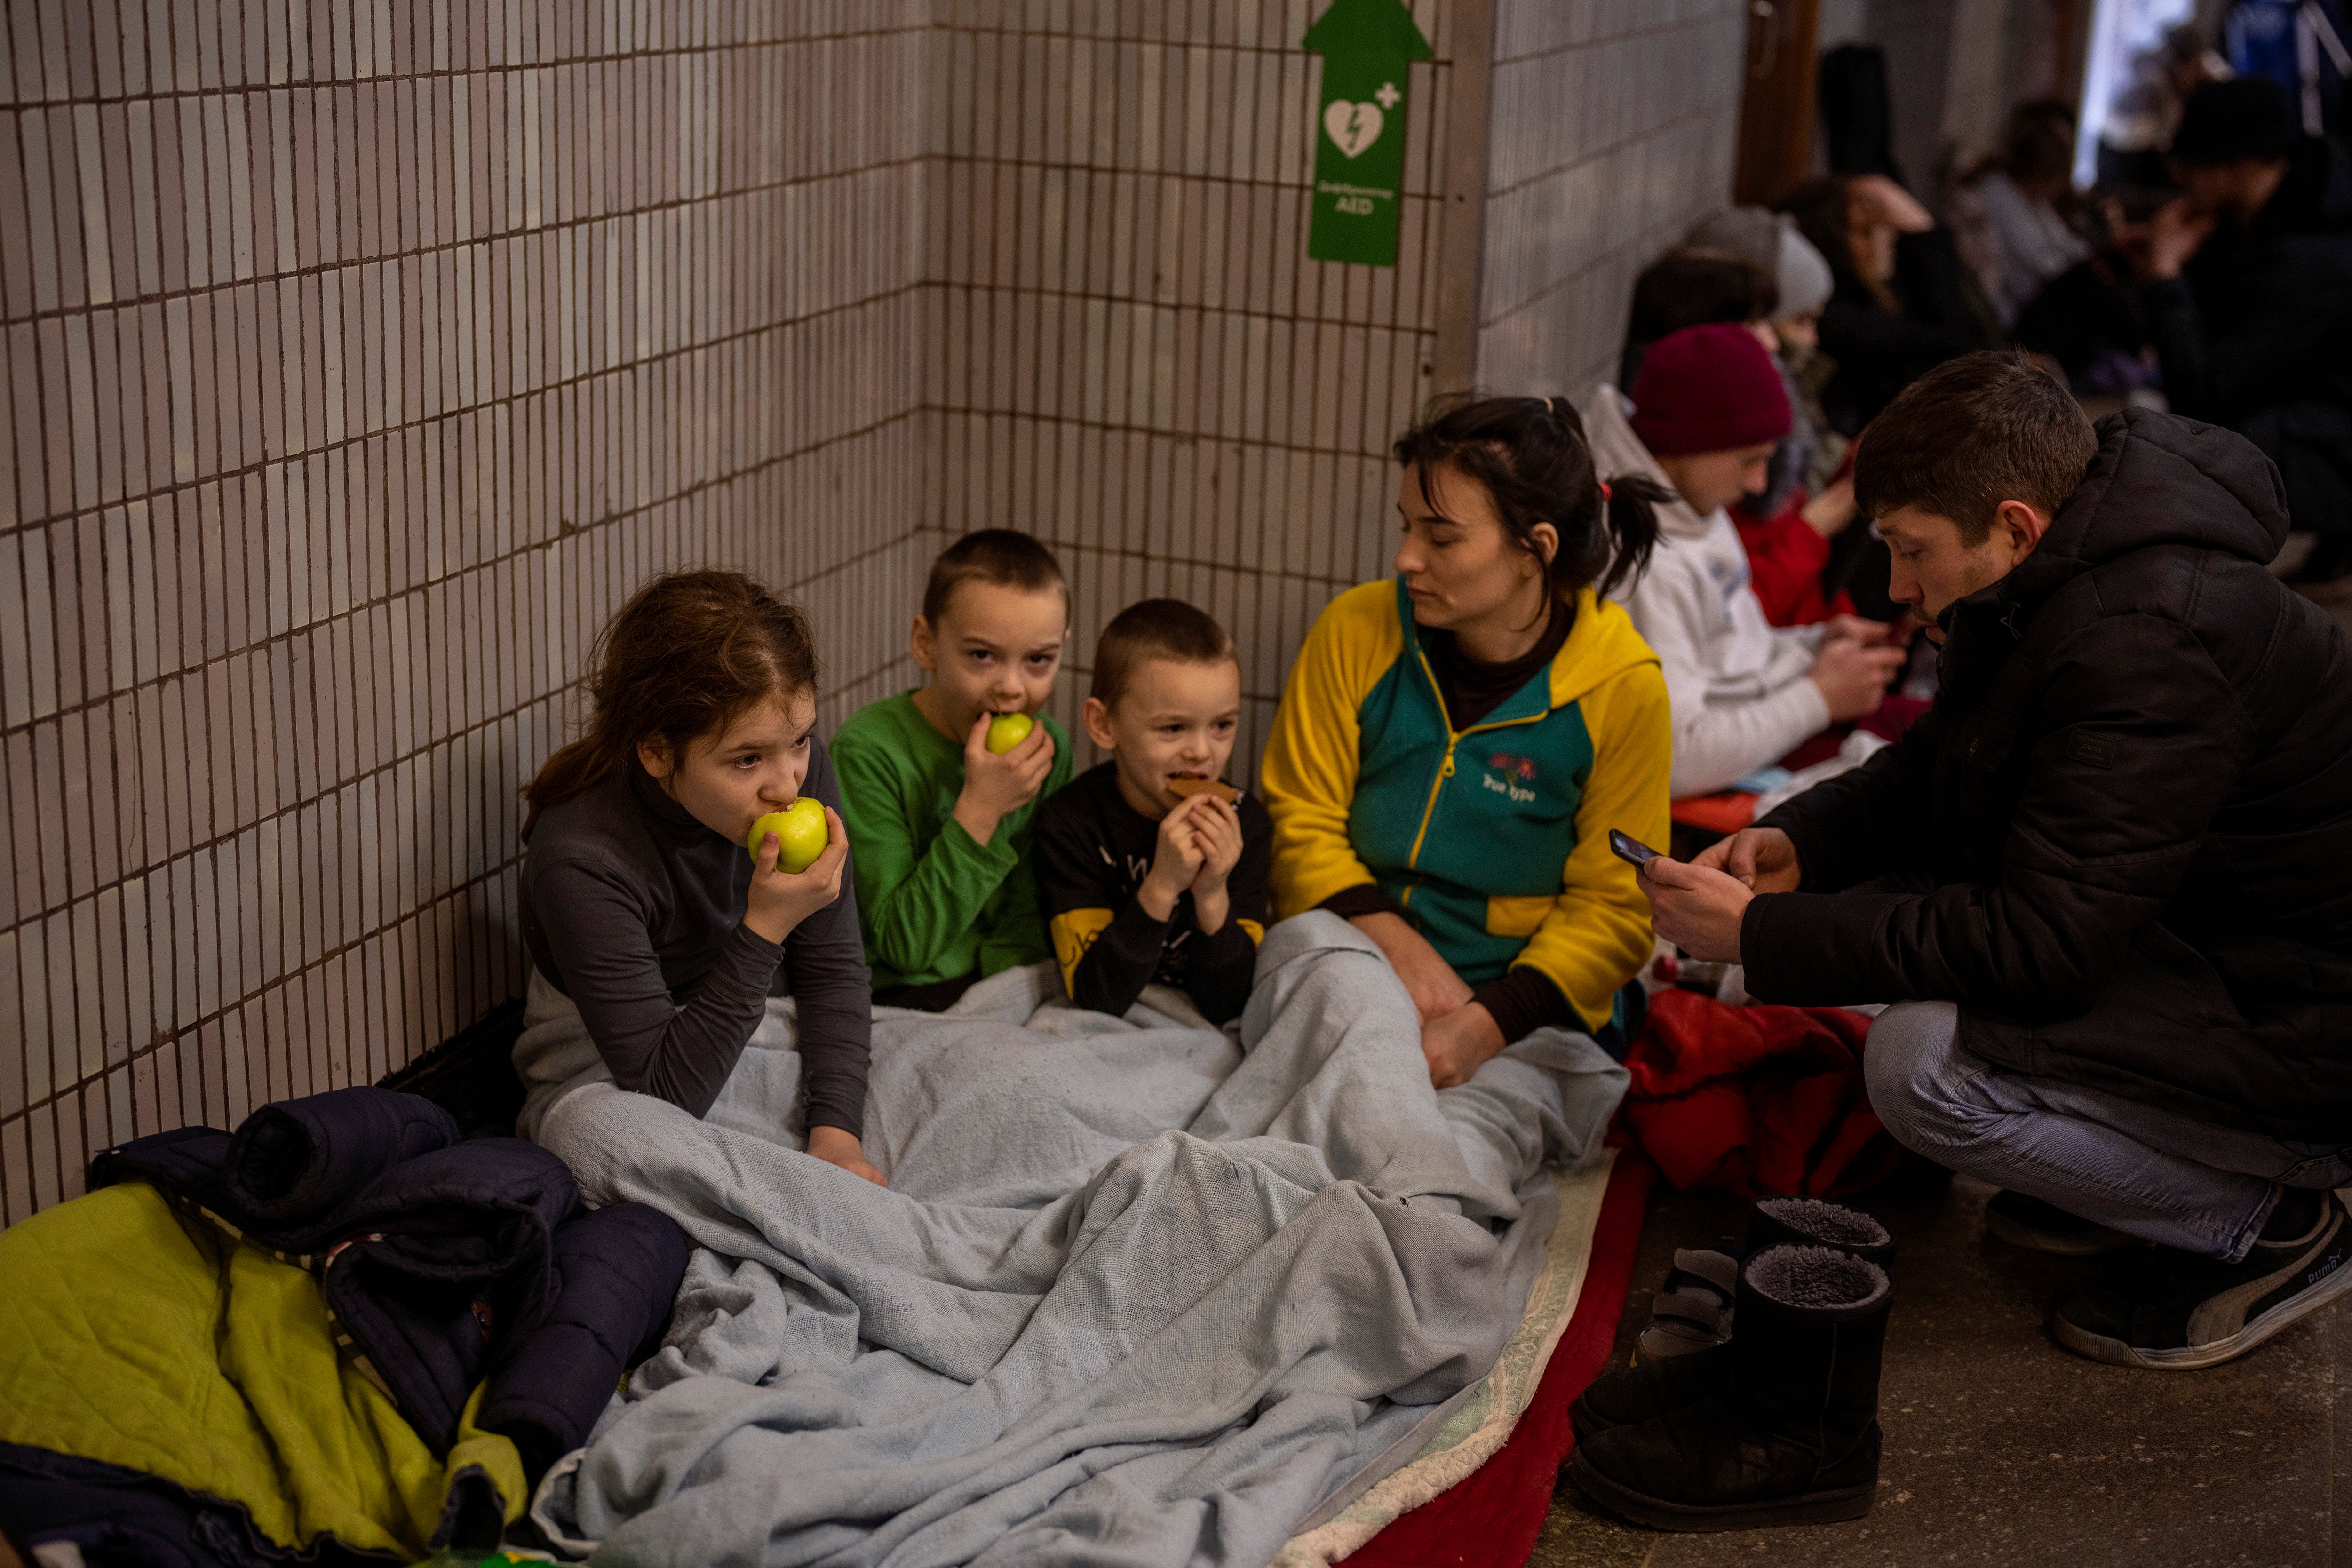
1512,777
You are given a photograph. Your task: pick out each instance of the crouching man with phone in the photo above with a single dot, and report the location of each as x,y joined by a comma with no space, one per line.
2108,880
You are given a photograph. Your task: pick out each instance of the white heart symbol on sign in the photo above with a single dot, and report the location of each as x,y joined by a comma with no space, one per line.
1352,127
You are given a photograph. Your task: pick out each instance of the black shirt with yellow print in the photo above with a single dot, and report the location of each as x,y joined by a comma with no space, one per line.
1093,851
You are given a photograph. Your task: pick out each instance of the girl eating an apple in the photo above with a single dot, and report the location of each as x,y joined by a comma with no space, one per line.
677,878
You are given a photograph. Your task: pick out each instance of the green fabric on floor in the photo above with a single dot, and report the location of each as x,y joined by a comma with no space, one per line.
174,1349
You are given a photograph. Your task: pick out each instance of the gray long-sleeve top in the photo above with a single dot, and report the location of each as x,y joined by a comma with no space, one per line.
635,910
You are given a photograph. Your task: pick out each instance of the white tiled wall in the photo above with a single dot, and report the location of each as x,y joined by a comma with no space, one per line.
1613,128
361,357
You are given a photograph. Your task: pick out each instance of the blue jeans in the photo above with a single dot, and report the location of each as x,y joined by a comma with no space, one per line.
2153,1174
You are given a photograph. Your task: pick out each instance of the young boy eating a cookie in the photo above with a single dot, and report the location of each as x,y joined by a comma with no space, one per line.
1150,867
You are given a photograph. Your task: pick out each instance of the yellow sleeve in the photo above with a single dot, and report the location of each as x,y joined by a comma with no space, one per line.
1309,773
1597,936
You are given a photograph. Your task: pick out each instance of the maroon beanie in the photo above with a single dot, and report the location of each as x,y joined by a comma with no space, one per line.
1707,389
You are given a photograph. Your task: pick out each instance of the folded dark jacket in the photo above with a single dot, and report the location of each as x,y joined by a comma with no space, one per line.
442,1260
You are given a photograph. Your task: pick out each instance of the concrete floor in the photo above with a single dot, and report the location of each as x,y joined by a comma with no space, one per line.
2002,1448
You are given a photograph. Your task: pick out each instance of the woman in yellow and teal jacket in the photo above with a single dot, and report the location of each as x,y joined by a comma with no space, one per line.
1455,744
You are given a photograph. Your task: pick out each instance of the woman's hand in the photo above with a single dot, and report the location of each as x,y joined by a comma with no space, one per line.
782,899
1428,979
834,1146
1458,1045
1832,511
1885,202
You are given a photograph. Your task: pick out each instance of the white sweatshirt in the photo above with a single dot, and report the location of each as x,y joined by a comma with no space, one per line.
1736,683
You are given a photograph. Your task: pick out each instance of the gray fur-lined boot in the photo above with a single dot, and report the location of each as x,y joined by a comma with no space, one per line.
1791,1435
1663,1380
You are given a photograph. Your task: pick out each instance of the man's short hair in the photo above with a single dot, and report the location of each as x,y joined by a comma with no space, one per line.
1970,434
1155,628
1004,556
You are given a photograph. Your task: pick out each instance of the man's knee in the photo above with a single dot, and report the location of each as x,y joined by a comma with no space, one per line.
1905,1064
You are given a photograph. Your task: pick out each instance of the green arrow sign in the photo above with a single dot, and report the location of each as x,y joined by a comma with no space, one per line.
1366,46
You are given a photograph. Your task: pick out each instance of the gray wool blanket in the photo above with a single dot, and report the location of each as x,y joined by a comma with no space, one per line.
1138,1293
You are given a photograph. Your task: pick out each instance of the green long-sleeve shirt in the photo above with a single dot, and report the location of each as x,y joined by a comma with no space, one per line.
933,903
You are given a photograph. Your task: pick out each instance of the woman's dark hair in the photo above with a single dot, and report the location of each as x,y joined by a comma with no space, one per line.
686,655
1531,455
1823,211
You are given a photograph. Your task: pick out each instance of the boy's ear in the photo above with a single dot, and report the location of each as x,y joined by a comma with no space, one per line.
919,644
653,752
1096,718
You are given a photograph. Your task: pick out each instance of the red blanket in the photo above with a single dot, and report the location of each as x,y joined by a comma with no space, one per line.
1756,1101
1492,1517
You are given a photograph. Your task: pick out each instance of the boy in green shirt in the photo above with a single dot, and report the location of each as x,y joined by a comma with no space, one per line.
939,821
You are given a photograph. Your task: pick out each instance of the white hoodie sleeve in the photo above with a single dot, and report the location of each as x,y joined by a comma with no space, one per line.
1677,609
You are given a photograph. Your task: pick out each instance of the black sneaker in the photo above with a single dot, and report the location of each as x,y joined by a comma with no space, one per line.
2038,1226
2176,1310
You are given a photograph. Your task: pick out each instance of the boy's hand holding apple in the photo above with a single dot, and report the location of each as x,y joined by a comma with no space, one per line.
782,898
998,784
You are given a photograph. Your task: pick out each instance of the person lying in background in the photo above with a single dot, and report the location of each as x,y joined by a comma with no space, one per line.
940,786
1807,501
2105,875
643,910
1149,866
1455,745
1701,425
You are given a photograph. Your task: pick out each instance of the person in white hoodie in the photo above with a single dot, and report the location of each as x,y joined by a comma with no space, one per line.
1705,412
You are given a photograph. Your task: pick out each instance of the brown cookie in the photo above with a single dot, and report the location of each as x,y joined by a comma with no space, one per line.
1217,787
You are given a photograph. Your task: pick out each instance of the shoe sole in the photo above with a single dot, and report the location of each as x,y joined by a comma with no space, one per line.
2115,1353
2090,1245
1807,1507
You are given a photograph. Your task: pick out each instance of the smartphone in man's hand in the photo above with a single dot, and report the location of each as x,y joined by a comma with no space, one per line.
1630,849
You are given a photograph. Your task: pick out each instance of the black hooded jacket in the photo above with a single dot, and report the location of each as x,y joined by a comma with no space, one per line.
2256,333
2132,800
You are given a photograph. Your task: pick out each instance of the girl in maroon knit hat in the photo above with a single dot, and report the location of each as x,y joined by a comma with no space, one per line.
1705,413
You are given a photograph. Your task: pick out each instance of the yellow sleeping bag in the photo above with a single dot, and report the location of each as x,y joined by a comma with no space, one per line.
138,1340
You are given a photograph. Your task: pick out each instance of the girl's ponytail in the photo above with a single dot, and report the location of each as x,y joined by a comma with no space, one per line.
1632,506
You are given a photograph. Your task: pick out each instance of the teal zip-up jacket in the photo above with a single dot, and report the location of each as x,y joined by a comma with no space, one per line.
1495,840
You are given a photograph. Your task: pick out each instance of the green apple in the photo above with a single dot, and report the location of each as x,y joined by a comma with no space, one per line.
800,828
1007,730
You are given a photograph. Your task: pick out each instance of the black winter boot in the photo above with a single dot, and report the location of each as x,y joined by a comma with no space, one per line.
1791,1438
1660,1384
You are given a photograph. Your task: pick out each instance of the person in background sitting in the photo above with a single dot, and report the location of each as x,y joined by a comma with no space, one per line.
1701,425
1148,872
644,915
942,823
2008,217
2247,288
1454,744
1807,501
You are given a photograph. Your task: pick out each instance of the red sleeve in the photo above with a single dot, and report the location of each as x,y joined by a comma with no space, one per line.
1785,557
